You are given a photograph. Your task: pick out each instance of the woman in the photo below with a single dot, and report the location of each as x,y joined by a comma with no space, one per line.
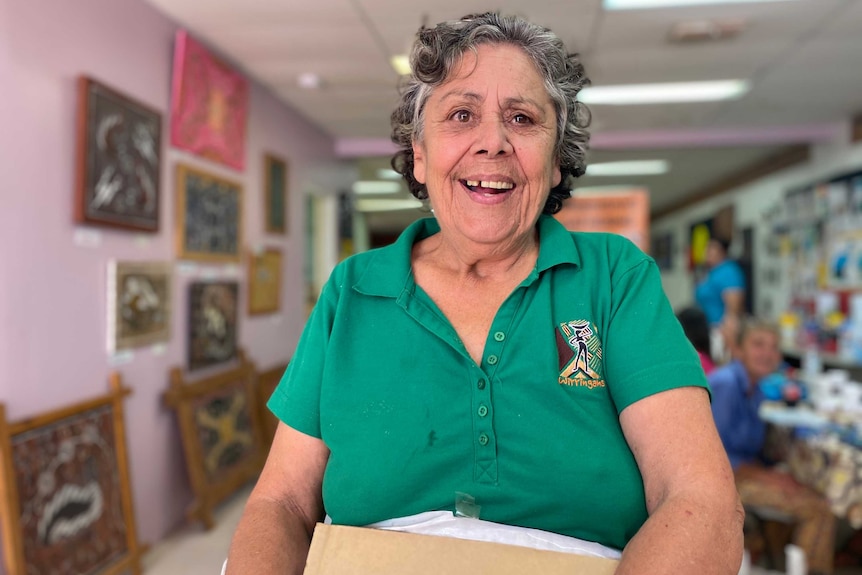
452,362
721,296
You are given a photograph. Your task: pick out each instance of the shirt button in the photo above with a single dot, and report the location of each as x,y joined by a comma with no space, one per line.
480,384
483,411
492,359
499,336
483,439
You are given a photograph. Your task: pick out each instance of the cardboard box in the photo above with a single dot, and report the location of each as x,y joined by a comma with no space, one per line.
340,550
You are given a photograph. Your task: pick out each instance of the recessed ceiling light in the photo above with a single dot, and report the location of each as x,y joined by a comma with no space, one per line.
401,64
629,168
641,4
383,205
376,187
667,93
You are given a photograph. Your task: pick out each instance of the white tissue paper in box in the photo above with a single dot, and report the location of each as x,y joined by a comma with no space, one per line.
447,524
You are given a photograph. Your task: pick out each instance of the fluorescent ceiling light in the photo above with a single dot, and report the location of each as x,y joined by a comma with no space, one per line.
376,187
671,92
401,63
632,168
388,174
384,205
639,4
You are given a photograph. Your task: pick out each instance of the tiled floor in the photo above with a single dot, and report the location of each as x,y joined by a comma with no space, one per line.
193,551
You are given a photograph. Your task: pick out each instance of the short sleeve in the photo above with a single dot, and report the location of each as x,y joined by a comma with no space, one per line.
646,350
296,399
731,277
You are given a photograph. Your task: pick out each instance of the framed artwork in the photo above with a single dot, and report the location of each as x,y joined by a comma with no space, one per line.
209,104
118,159
267,381
212,323
264,281
221,435
699,234
275,172
139,304
209,216
66,499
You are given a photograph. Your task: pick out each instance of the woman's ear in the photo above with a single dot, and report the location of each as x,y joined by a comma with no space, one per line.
556,176
419,166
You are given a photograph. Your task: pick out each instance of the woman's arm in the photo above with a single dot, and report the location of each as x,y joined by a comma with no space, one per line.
734,301
695,517
275,530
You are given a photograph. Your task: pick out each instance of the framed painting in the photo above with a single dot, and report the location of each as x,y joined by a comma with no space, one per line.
275,172
212,323
264,281
209,104
209,216
66,496
118,159
267,381
221,434
139,304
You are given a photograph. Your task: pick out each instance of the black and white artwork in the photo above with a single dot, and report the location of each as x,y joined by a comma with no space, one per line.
119,153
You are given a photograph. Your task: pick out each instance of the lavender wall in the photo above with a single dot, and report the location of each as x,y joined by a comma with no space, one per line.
53,272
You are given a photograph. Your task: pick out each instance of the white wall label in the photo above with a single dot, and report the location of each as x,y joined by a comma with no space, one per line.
87,238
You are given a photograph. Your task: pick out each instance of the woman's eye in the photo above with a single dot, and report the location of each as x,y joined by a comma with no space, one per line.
522,119
461,116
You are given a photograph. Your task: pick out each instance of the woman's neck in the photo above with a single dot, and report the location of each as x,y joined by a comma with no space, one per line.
469,259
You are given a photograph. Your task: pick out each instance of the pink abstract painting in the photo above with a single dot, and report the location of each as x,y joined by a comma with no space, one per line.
209,104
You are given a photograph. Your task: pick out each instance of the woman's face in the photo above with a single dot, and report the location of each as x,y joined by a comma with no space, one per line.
487,154
714,253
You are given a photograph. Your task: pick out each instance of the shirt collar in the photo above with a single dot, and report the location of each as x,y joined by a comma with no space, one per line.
389,270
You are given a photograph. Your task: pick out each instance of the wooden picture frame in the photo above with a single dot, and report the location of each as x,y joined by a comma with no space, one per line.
275,194
65,493
267,381
119,146
209,216
213,313
139,304
264,281
222,439
209,104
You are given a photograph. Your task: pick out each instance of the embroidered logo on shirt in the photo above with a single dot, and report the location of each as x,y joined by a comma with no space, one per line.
580,353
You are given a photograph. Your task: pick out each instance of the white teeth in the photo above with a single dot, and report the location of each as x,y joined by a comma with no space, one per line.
492,185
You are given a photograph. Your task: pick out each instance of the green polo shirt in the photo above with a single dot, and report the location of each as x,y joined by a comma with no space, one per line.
532,434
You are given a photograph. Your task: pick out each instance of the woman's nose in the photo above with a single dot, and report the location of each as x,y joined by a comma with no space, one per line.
493,139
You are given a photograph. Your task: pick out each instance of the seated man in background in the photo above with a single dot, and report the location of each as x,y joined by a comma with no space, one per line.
736,398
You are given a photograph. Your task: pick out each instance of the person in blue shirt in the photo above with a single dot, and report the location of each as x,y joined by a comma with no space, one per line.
736,399
721,296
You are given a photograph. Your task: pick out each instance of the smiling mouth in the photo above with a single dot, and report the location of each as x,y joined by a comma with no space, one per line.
487,187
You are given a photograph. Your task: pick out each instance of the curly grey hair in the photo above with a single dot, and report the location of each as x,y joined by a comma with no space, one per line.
437,51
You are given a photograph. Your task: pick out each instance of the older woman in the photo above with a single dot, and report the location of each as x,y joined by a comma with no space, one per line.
492,353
